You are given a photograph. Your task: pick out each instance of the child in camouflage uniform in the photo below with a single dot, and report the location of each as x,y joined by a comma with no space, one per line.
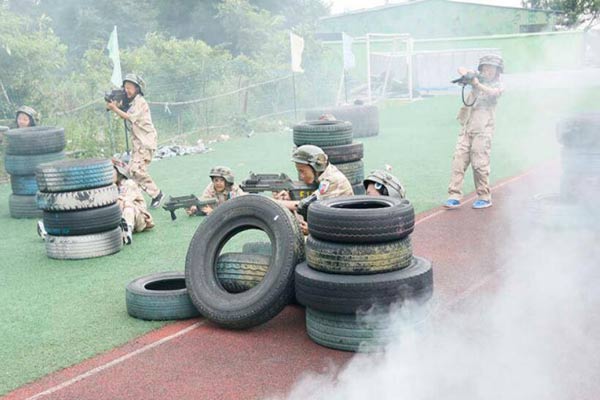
136,217
26,117
478,120
222,188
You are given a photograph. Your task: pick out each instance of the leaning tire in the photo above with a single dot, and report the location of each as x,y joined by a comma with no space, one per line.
68,175
354,171
358,259
361,219
263,248
82,222
27,164
345,153
23,207
238,272
35,140
265,300
323,133
84,246
364,118
347,294
159,297
25,185
78,200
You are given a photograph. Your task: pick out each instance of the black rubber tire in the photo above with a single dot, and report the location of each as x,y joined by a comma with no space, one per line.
581,162
364,118
354,171
26,165
323,133
358,189
238,272
78,200
345,153
23,207
263,248
361,219
553,211
35,140
159,297
349,332
69,175
82,222
84,246
348,294
358,259
23,185
261,303
580,131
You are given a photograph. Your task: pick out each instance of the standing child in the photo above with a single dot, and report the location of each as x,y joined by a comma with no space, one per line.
478,121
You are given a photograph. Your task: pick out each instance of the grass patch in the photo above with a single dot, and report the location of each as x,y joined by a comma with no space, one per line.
57,313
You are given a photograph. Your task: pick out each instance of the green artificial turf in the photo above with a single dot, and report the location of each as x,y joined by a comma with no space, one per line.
57,313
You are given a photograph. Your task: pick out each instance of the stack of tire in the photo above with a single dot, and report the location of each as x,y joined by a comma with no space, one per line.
575,206
335,138
364,118
26,148
359,258
80,210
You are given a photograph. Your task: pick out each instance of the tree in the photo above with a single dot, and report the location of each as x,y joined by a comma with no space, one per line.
573,12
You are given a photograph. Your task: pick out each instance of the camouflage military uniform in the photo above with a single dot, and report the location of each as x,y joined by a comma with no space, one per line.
144,141
229,193
474,144
333,183
133,206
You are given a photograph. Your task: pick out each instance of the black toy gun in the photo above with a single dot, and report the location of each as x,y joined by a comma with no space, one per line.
302,207
257,183
467,78
119,96
174,203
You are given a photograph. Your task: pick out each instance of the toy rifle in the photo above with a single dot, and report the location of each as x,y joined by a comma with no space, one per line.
174,203
257,183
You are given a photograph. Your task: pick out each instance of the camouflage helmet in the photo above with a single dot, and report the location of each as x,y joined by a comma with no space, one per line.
493,60
389,181
310,155
121,167
30,112
222,172
136,79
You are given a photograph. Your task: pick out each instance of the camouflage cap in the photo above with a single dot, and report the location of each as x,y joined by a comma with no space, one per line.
222,172
389,181
136,79
493,60
121,167
311,155
29,112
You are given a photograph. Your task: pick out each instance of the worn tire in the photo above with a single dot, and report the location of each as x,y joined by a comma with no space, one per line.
350,332
347,294
82,222
263,248
159,297
361,219
23,185
84,246
580,162
238,272
580,131
78,200
358,189
35,140
27,164
345,153
261,303
358,259
23,207
354,171
323,133
553,211
69,175
364,118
